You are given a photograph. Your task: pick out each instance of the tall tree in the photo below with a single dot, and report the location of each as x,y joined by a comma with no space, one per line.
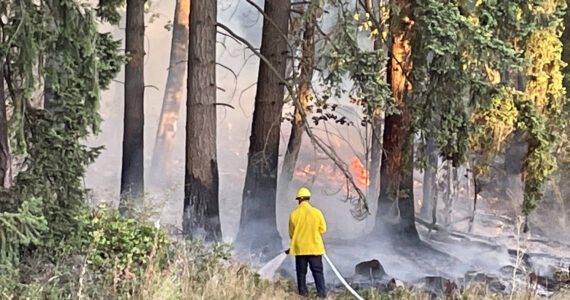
201,209
375,155
258,228
304,95
40,209
132,173
173,93
430,179
396,199
5,160
448,61
376,122
538,105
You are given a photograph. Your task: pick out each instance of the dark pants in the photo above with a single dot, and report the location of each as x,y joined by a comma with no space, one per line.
315,262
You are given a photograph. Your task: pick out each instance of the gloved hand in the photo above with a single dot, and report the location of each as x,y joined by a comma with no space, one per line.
287,251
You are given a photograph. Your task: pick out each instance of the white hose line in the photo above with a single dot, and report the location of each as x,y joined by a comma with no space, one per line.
353,292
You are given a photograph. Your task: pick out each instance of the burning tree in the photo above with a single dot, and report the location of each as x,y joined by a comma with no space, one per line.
167,126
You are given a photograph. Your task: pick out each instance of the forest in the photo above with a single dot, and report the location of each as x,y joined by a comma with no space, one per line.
152,149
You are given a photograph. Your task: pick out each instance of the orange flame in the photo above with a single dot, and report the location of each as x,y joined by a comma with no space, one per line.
359,171
499,226
306,171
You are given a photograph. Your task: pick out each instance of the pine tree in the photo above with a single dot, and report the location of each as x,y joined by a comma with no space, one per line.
42,205
173,93
132,171
201,217
258,228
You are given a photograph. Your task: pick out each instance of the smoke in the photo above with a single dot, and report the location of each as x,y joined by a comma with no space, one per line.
237,88
234,127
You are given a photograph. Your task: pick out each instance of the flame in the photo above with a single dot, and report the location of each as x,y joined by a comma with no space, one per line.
331,177
306,171
336,142
499,226
359,171
419,202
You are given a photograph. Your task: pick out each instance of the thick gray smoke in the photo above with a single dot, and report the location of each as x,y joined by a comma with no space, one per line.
313,169
234,127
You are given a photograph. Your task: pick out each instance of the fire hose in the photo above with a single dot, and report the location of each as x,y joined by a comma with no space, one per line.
267,271
336,272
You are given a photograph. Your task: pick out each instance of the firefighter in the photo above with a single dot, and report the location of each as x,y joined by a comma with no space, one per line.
306,225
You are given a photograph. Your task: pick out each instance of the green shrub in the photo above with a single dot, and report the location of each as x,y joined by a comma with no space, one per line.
112,241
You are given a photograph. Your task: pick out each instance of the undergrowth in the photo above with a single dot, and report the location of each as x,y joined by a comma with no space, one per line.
113,257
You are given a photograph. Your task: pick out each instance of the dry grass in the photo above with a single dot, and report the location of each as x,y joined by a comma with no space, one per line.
194,274
185,278
190,277
197,271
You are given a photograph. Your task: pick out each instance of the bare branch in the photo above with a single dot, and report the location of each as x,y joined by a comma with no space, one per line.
256,52
177,63
241,94
225,104
265,17
230,36
227,68
152,86
362,209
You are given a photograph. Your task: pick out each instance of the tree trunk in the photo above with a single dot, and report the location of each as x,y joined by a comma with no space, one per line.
448,199
258,228
375,157
476,192
396,200
5,159
132,179
172,94
512,187
559,204
430,174
376,139
201,217
304,95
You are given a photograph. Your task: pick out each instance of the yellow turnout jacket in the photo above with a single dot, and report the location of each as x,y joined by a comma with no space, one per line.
306,224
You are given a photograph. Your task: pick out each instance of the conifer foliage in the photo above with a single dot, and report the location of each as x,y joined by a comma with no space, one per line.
42,205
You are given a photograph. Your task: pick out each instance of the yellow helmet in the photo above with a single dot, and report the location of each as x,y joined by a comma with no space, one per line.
303,193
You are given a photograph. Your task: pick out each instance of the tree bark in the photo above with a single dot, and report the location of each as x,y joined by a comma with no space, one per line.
258,229
376,139
448,198
476,192
5,159
201,216
430,174
396,200
304,96
512,187
132,179
375,157
173,93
